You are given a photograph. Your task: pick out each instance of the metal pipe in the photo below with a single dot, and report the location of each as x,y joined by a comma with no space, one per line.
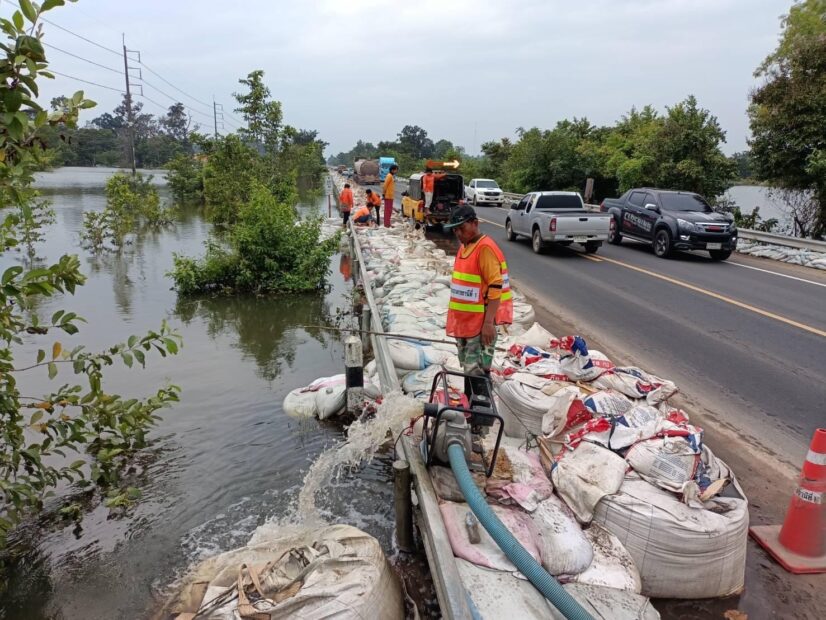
404,506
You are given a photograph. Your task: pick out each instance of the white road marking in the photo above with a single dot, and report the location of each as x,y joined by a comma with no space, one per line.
782,275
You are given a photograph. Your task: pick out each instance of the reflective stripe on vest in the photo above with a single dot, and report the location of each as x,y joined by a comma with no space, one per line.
466,308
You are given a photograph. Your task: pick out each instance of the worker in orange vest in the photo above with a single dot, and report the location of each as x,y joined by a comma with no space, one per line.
374,202
362,215
480,294
345,199
389,193
428,184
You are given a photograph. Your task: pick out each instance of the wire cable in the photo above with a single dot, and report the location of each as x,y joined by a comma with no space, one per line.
163,79
175,99
72,77
103,47
92,62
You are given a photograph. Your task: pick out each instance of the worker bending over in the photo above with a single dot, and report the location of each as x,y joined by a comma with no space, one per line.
362,215
374,202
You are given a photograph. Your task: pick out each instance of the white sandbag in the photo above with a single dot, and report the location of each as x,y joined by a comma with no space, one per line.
586,475
608,402
556,416
338,571
497,594
299,403
608,603
565,549
536,336
612,566
619,432
525,405
486,552
407,355
680,551
667,462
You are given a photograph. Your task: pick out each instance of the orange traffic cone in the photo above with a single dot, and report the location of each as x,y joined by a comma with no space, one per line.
800,545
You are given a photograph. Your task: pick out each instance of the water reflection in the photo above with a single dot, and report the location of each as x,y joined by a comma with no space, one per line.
268,334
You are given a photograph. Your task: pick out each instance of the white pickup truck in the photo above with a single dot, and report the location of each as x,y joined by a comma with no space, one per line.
557,217
484,192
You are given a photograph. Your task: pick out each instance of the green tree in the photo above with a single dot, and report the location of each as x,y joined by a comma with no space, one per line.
414,142
37,431
787,113
262,116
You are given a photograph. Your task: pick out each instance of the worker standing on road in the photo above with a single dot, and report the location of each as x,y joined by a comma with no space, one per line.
480,293
428,184
389,192
346,200
374,202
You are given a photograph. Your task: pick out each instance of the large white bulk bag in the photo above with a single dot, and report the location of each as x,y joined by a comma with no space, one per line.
336,572
586,475
680,551
612,566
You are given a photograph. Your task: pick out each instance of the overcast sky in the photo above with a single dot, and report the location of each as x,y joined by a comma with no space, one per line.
465,70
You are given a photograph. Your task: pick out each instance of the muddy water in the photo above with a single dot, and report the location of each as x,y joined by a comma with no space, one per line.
224,460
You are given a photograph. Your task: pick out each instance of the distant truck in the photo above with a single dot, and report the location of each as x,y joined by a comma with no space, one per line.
385,163
366,171
557,217
669,221
484,192
448,193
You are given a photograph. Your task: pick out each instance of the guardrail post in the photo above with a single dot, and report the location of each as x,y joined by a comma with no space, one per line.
354,373
403,505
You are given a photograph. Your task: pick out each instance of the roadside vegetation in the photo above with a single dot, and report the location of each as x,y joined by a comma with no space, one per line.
58,424
249,183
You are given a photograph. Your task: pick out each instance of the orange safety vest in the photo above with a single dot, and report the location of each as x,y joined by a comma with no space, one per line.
466,310
361,212
373,200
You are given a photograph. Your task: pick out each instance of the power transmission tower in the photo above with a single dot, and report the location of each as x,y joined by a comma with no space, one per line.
217,110
129,116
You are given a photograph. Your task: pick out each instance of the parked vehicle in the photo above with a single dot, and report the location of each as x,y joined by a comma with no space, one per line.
384,166
556,217
366,171
448,192
669,221
484,192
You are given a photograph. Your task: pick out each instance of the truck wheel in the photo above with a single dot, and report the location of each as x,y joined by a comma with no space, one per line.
719,254
536,241
474,200
509,231
591,247
614,236
662,243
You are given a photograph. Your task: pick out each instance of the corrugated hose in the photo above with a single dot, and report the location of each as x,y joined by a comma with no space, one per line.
550,588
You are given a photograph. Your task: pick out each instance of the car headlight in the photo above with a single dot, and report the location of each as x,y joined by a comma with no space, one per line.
686,226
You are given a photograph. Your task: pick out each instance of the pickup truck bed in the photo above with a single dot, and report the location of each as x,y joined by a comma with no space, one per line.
557,217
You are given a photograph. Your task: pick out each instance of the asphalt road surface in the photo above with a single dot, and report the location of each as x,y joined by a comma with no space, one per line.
747,336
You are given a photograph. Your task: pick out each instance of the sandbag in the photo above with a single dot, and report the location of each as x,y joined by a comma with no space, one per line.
527,485
565,549
586,475
612,566
667,462
608,402
680,551
486,552
536,336
522,406
336,572
609,603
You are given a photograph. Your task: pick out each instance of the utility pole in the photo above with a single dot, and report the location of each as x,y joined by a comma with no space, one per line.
217,109
131,127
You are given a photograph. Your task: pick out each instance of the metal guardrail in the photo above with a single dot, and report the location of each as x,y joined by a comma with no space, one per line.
784,240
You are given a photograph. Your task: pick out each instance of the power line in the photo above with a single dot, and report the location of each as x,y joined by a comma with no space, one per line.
163,79
145,83
92,62
77,79
103,47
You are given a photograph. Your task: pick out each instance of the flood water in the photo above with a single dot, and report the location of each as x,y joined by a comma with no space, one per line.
749,197
222,461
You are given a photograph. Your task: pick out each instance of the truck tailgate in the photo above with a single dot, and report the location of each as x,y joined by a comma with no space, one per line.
581,226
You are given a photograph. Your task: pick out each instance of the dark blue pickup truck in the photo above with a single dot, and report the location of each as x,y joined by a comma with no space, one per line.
671,221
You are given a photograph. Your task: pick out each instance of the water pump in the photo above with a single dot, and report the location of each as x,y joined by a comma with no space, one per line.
461,419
